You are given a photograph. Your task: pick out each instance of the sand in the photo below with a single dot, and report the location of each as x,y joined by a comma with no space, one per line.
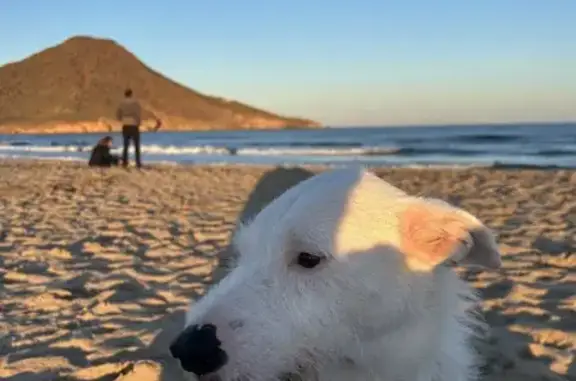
97,267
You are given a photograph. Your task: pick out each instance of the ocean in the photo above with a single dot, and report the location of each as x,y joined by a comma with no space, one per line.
509,145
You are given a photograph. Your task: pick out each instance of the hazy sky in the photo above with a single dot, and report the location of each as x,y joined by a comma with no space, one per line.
352,62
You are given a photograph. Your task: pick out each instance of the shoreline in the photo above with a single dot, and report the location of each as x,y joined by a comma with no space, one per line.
151,164
514,148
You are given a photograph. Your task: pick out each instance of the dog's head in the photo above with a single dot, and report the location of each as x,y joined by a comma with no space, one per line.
337,261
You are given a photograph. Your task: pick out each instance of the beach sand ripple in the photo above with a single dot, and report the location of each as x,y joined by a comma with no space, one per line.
97,267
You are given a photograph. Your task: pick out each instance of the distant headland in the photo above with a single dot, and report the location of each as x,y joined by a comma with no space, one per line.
74,87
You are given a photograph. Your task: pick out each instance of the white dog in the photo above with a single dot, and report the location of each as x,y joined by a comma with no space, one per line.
343,277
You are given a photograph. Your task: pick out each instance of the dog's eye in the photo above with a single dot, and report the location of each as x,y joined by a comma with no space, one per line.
308,260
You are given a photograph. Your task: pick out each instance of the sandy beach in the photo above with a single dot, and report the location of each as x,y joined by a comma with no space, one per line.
97,267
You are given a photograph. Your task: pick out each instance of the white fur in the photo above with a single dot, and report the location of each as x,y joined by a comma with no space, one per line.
363,314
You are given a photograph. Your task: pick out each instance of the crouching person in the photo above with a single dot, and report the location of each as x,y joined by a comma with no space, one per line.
101,156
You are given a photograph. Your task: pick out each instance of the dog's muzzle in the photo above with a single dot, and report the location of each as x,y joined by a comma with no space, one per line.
198,350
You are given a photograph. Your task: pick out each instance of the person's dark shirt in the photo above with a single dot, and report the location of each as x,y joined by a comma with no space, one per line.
101,157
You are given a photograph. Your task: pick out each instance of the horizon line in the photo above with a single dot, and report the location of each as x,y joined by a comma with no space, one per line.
462,124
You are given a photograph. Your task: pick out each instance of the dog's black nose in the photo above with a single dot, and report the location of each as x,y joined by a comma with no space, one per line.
198,350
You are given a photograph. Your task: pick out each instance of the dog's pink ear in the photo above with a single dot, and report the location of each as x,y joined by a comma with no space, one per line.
431,233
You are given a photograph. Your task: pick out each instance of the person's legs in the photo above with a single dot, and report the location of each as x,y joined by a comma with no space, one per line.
136,138
126,138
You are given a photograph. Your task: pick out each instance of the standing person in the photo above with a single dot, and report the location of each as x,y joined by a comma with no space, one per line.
129,113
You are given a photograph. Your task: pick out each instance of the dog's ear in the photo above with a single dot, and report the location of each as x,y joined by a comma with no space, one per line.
434,232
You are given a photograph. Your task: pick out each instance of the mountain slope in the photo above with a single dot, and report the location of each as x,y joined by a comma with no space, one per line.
77,84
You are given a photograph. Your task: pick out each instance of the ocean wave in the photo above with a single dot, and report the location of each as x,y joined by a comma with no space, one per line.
317,151
416,151
186,150
52,148
519,166
151,149
557,152
217,150
41,158
322,144
18,143
299,150
485,138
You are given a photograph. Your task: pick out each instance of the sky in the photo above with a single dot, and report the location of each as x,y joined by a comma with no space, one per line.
353,62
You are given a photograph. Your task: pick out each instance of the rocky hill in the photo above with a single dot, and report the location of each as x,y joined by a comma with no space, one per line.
76,85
